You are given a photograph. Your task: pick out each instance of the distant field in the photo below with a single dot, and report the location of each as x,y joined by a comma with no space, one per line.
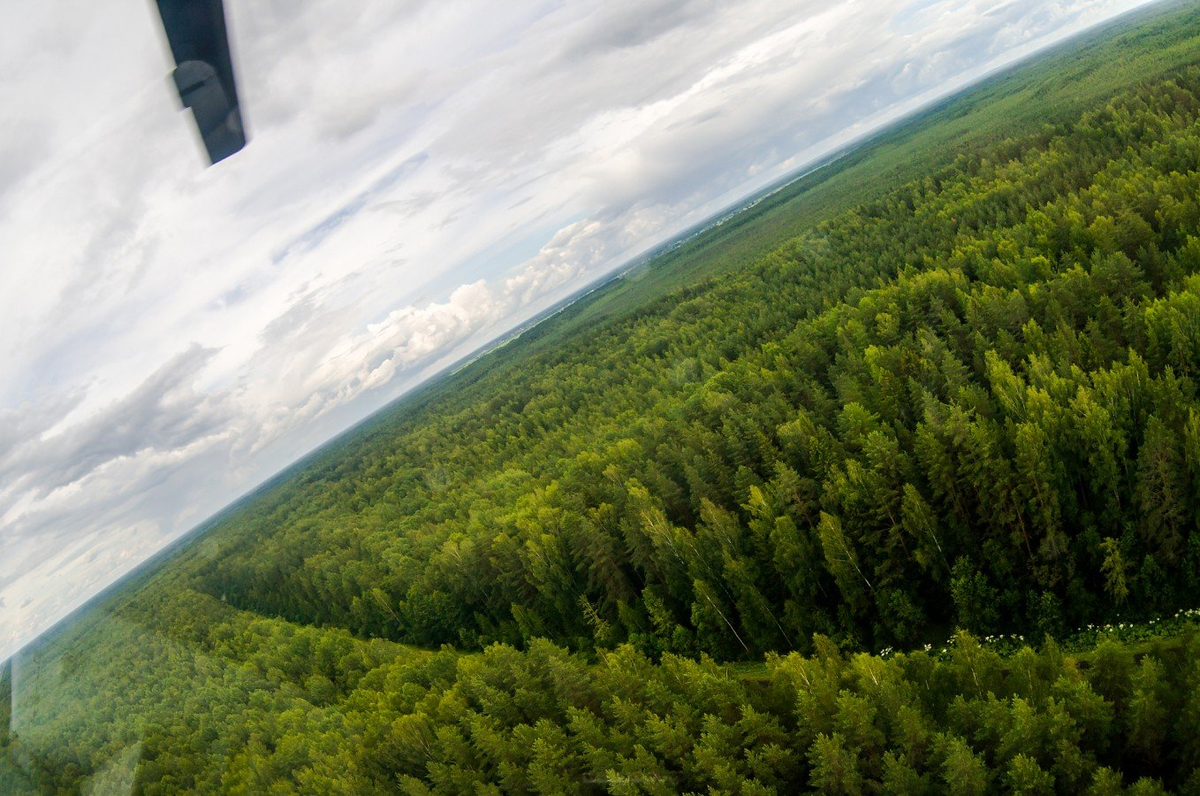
1048,90
1051,89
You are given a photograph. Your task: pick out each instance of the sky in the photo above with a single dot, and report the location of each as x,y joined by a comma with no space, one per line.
421,176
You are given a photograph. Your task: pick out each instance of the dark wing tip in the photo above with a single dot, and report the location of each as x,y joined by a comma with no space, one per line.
204,72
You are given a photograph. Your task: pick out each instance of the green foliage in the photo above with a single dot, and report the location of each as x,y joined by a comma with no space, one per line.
546,720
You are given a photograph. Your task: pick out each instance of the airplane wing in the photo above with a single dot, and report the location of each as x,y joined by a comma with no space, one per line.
204,72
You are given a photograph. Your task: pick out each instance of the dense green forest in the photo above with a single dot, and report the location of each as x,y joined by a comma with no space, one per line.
716,540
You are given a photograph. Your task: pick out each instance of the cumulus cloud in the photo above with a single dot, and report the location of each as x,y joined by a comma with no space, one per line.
59,479
421,177
163,413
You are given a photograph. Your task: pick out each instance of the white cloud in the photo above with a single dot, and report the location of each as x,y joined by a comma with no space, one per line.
421,176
